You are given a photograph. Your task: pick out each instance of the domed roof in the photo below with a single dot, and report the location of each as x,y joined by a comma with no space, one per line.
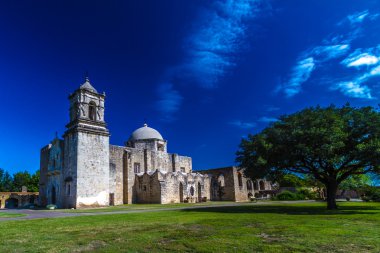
87,86
145,133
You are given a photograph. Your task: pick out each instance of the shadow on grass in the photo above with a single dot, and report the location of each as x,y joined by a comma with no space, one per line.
291,209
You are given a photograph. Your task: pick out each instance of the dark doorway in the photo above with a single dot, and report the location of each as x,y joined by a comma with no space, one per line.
262,186
199,192
31,200
112,199
181,192
11,203
53,196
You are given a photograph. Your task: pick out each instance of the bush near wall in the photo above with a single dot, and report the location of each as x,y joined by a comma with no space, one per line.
300,194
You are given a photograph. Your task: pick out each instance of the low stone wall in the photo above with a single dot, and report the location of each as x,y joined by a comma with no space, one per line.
18,199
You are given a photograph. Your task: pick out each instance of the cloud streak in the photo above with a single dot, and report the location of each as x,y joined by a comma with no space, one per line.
300,74
169,101
211,48
218,34
266,119
338,46
363,57
242,125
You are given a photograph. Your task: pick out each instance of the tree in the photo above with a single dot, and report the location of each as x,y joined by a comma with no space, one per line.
21,179
330,144
290,180
26,179
355,182
6,181
33,185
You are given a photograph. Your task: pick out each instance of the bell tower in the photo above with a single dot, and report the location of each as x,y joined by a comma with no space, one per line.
86,139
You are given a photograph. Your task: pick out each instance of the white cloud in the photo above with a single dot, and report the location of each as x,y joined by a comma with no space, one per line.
354,89
243,125
300,74
328,52
219,33
375,71
360,60
334,47
358,17
363,57
169,101
267,119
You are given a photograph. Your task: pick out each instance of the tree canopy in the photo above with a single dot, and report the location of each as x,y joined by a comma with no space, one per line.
330,144
14,183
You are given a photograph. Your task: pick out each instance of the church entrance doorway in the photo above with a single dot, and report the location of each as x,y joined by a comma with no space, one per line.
181,192
112,199
53,196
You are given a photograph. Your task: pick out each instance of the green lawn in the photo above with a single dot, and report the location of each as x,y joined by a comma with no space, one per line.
144,207
10,215
248,228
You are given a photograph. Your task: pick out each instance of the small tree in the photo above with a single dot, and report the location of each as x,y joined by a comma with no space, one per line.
330,144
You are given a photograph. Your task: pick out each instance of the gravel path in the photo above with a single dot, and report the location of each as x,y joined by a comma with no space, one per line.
41,214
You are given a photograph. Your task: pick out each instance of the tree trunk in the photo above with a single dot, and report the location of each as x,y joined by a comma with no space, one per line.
331,188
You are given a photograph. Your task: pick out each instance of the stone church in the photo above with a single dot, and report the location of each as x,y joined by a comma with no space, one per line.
83,170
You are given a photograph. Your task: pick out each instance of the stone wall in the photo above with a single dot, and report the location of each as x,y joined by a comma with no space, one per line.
116,173
222,183
18,199
44,162
92,170
147,189
171,187
230,184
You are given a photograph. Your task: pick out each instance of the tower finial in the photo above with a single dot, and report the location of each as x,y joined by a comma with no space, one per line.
145,124
86,76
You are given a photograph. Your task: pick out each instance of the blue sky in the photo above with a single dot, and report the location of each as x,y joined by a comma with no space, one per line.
203,73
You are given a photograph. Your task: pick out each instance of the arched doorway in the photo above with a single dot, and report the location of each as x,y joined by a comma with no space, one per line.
199,192
240,180
53,195
262,186
181,192
11,203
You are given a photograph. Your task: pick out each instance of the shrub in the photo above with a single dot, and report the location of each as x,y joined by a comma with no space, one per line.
371,193
376,196
305,193
286,195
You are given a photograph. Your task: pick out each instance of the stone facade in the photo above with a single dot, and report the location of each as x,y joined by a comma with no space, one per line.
230,184
84,170
18,199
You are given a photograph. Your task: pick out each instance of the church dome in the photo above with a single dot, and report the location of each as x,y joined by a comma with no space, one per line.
145,133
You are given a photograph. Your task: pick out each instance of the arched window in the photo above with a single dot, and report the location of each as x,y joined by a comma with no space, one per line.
221,180
249,185
92,111
192,191
255,186
240,179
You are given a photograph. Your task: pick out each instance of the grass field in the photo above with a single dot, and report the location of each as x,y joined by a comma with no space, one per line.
146,207
249,228
10,215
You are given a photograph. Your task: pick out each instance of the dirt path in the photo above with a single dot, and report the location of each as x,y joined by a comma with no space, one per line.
41,214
